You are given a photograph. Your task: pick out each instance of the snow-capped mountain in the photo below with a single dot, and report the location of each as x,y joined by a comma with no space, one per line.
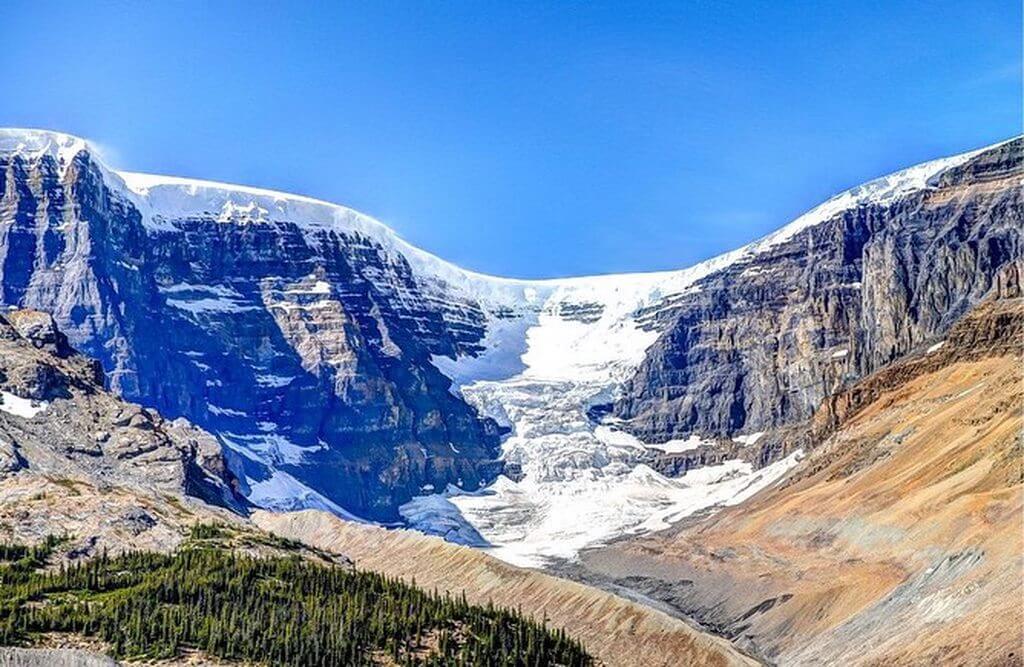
346,369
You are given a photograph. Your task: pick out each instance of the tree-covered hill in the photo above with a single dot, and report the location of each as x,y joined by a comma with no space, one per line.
276,610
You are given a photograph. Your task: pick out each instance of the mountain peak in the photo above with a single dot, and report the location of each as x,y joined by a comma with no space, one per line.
36,143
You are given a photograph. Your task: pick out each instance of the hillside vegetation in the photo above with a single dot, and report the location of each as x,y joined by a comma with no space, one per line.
279,610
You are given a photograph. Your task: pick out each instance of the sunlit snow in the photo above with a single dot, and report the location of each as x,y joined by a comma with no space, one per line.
21,407
583,483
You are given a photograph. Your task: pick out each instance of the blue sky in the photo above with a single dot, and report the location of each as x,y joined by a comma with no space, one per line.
527,139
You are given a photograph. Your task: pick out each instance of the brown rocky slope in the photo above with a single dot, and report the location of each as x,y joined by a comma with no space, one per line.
897,542
614,630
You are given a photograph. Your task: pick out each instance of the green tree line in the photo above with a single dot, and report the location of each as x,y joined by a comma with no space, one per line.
281,610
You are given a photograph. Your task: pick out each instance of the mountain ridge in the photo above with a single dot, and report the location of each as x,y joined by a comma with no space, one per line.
65,146
344,372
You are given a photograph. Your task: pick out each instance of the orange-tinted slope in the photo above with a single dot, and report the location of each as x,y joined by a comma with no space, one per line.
899,541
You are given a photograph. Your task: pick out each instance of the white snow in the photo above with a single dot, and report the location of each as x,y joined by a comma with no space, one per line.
748,439
21,407
217,410
935,348
531,524
205,306
611,436
882,190
840,354
217,290
318,287
269,448
720,489
505,342
270,380
36,143
435,514
584,483
283,493
680,445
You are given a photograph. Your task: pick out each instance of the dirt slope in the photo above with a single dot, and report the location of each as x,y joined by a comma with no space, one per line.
899,541
616,631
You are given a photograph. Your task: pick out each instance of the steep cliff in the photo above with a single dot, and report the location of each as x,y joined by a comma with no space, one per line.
761,342
302,345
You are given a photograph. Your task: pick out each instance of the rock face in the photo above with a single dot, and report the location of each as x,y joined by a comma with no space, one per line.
303,349
320,348
760,343
896,542
76,460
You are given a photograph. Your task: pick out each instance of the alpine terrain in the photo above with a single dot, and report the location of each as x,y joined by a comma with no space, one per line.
809,446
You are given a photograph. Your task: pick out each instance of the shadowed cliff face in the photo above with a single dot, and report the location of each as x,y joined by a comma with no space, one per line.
308,352
762,342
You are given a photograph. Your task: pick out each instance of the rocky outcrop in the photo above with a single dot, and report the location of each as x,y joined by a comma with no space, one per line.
75,459
308,351
52,657
760,343
993,328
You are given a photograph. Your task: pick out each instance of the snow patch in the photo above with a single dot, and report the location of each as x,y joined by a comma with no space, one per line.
678,446
435,514
274,380
34,144
206,306
269,448
217,290
749,439
282,492
225,412
21,407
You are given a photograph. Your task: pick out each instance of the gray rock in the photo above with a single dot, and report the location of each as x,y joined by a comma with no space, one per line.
761,343
52,657
344,377
84,433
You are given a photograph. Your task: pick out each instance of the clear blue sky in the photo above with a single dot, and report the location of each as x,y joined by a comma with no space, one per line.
527,139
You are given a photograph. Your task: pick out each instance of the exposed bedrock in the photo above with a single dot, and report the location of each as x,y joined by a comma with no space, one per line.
760,343
307,350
